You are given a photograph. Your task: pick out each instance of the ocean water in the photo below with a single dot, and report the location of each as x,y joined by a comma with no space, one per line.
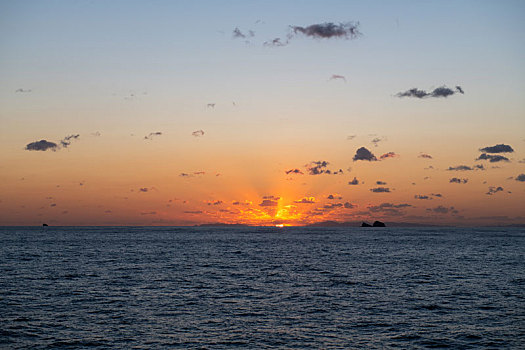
222,288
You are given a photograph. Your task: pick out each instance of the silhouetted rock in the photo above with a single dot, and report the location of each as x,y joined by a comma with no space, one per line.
378,224
45,225
364,224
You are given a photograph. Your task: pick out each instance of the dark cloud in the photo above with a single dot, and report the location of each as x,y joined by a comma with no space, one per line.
329,30
500,148
424,155
152,135
272,197
389,208
144,189
380,190
337,76
493,189
520,177
441,91
41,145
238,34
218,202
458,180
193,212
66,141
198,133
437,195
305,200
333,206
443,210
268,203
419,196
465,168
380,182
23,90
210,105
242,203
492,158
293,171
364,154
355,181
349,205
334,196
149,213
388,155
320,167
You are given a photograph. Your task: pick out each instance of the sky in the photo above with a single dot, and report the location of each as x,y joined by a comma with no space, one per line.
262,112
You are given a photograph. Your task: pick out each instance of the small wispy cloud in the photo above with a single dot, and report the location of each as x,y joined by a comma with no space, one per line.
457,180
492,190
388,155
425,155
152,135
337,77
328,30
198,133
380,190
441,91
293,171
354,182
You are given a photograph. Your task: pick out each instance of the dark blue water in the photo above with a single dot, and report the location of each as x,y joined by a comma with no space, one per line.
301,288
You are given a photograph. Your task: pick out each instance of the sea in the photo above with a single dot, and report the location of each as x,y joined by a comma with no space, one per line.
262,287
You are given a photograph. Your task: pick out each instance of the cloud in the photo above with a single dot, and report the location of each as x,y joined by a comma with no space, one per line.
272,197
144,189
441,91
193,212
388,155
329,30
364,154
520,177
242,203
41,145
306,200
276,42
198,133
380,182
349,205
437,195
334,196
493,158
236,34
337,76
293,171
389,208
22,90
149,213
493,190
355,181
466,168
458,180
96,134
424,155
443,210
66,141
376,140
419,196
380,190
152,135
210,105
499,148
268,203
351,137
217,202
320,167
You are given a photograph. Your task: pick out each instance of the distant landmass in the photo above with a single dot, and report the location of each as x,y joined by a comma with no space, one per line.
359,223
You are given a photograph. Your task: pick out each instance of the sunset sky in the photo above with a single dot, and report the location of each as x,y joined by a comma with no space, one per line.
253,112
